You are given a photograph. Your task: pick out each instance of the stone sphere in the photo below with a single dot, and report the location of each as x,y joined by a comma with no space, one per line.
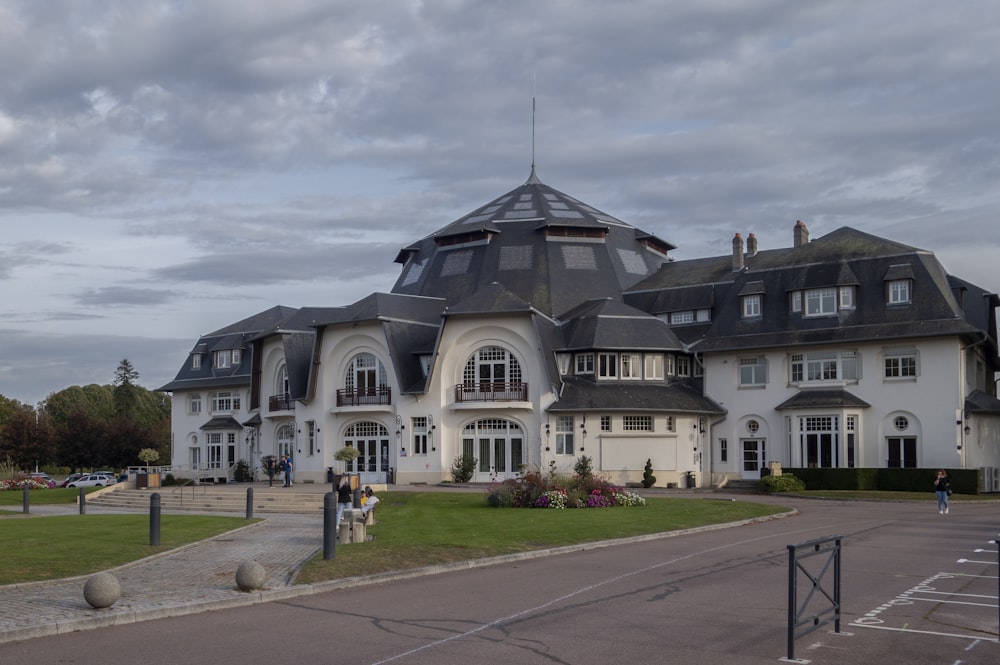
250,575
102,590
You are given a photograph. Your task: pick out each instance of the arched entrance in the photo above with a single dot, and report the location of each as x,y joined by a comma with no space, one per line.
497,445
371,439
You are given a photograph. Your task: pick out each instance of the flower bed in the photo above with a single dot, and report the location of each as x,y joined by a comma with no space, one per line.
19,483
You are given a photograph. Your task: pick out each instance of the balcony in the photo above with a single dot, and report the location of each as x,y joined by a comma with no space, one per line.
280,403
364,396
491,391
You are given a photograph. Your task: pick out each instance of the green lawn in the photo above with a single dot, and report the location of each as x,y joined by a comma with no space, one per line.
43,548
418,529
14,499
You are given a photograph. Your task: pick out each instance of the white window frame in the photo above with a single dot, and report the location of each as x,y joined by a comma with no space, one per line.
584,363
796,301
683,366
637,423
194,404
605,423
631,366
824,367
821,302
237,356
670,366
564,435
901,363
227,401
847,297
653,366
751,306
753,371
418,426
223,359
196,361
607,366
680,318
899,291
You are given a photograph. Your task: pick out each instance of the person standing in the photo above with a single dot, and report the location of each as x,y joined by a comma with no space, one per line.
269,467
942,487
288,470
344,499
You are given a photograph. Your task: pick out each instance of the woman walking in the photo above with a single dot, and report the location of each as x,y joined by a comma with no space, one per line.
942,486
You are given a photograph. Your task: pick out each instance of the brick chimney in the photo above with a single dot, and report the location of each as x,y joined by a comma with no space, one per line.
737,253
800,235
751,245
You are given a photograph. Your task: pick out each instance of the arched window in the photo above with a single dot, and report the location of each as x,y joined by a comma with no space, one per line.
282,380
365,382
491,364
492,374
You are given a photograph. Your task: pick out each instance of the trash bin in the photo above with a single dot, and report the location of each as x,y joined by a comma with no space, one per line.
329,474
689,480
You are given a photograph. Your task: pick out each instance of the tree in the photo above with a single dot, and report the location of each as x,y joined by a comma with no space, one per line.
149,455
125,398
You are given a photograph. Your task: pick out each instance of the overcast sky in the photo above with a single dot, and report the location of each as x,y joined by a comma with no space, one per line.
170,167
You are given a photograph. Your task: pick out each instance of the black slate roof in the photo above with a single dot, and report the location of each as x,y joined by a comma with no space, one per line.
584,394
845,257
612,325
834,398
545,247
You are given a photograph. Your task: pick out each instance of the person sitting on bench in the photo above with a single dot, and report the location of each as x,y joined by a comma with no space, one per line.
368,503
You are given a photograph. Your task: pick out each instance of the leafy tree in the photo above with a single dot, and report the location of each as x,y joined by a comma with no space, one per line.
24,438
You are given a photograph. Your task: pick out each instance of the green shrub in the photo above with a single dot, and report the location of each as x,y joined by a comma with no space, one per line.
783,483
648,479
463,468
584,467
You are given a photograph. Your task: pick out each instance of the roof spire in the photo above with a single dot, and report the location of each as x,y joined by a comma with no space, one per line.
533,178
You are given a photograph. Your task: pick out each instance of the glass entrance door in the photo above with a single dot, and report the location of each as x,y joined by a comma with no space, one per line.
753,451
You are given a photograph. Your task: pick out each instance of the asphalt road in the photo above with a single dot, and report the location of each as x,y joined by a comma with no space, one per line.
914,589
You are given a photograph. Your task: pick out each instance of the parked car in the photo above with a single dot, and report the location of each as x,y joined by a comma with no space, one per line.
70,478
43,478
93,480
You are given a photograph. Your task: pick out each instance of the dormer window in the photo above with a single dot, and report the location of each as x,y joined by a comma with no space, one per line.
680,318
899,291
821,302
196,361
751,306
227,358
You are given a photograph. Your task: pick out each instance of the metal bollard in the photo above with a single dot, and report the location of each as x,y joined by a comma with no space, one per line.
154,519
329,526
83,501
357,498
26,499
249,503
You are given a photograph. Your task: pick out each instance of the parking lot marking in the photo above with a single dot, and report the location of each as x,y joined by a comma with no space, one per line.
928,632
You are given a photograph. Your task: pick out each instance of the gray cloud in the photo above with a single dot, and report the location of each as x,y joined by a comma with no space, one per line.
157,156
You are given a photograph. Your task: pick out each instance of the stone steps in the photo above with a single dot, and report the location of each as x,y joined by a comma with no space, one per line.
211,499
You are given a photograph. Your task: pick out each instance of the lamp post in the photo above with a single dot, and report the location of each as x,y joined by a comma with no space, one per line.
251,440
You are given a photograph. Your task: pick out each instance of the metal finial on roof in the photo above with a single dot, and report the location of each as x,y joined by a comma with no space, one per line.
533,178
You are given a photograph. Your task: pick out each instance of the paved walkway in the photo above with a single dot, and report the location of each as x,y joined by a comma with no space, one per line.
194,578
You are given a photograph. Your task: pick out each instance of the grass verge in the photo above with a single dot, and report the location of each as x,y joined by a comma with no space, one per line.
420,529
46,497
44,548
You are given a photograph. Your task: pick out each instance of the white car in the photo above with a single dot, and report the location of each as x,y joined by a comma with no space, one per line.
93,480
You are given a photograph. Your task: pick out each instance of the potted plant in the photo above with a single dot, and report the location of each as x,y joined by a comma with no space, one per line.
347,454
146,480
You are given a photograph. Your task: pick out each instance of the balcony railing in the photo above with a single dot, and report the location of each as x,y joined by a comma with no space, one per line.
492,391
364,396
280,403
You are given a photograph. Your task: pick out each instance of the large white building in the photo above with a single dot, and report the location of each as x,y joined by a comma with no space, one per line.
537,329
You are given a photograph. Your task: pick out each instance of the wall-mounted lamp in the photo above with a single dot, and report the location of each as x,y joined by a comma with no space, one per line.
968,430
548,433
430,431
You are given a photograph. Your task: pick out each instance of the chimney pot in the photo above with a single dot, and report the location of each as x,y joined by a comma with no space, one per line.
737,253
800,235
752,245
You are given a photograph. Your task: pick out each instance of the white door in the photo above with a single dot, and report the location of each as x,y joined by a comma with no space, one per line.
753,458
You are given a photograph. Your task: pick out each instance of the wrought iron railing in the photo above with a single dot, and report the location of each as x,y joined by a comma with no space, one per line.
364,396
280,403
492,391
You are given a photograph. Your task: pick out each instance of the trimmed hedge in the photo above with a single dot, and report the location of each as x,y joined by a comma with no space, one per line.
963,481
